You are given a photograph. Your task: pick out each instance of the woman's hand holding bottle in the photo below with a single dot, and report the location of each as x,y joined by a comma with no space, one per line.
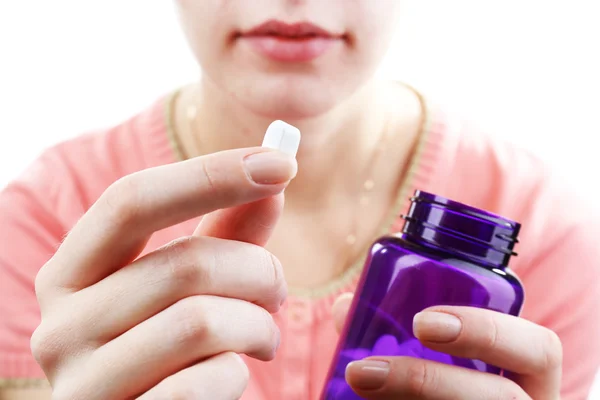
533,353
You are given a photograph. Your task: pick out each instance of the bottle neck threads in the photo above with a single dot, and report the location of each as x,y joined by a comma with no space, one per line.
461,231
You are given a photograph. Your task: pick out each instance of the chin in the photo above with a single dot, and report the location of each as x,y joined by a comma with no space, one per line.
288,106
287,91
290,97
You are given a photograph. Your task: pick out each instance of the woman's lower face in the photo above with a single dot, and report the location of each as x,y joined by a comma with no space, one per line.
288,59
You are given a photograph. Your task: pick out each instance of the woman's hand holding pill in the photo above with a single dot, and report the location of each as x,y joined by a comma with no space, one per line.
169,324
533,354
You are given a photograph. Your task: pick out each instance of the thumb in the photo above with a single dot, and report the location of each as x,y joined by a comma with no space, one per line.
251,223
254,222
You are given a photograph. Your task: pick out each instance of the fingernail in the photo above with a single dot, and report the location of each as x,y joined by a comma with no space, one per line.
437,327
270,167
367,374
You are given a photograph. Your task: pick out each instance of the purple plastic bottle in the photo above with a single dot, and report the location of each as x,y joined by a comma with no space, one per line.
448,254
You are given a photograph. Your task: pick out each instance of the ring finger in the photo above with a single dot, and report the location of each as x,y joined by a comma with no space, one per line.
193,329
221,377
187,267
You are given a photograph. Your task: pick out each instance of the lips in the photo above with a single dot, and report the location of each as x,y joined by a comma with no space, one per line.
300,30
283,42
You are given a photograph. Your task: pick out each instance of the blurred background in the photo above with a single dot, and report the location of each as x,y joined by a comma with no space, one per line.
526,70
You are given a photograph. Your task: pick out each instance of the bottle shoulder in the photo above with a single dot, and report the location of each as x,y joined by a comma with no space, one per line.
402,247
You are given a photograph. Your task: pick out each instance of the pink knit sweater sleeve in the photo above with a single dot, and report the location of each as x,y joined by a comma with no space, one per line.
39,207
30,231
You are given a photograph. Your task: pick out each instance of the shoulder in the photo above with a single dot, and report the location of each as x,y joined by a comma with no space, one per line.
486,171
137,143
41,205
483,169
558,250
72,174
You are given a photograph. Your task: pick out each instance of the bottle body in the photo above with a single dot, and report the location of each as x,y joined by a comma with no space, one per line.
401,278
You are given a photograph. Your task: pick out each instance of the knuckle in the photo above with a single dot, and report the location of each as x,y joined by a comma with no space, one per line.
120,201
192,321
183,265
265,335
208,181
274,280
36,344
41,283
179,387
266,320
418,376
552,350
270,339
490,334
46,346
240,373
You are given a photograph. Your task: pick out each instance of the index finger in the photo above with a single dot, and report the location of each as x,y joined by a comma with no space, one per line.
532,352
117,227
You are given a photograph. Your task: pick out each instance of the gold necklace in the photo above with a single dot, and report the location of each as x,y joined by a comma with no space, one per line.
365,190
368,183
191,113
408,178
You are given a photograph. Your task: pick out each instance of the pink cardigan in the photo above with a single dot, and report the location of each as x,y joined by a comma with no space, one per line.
558,262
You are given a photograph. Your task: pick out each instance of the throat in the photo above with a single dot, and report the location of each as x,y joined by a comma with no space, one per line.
322,248
348,179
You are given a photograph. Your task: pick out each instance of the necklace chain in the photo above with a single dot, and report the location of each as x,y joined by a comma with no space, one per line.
408,179
365,189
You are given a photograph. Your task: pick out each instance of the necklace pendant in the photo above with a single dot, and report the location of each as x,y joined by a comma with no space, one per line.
369,184
191,112
351,239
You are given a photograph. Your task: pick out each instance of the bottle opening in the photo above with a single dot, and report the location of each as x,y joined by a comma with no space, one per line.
460,230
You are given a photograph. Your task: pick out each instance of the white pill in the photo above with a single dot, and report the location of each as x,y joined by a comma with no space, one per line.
283,137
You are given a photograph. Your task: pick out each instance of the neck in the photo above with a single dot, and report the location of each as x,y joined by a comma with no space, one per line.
339,142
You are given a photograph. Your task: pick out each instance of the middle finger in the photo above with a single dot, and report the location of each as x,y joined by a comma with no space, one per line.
183,268
193,329
412,378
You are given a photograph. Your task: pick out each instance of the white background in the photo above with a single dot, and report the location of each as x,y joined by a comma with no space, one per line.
528,70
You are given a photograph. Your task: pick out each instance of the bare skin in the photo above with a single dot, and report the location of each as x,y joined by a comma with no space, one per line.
305,248
195,286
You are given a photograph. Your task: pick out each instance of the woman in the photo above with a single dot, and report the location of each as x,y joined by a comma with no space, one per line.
145,298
